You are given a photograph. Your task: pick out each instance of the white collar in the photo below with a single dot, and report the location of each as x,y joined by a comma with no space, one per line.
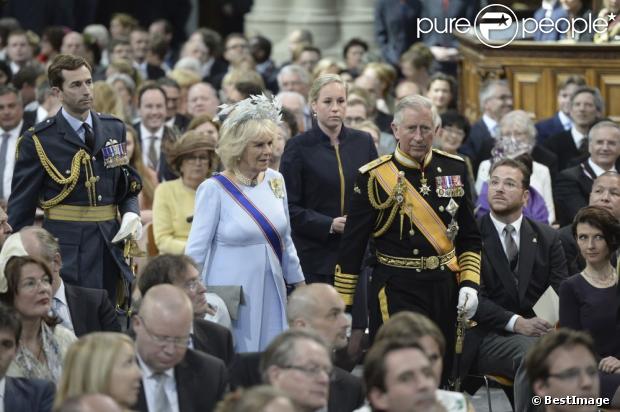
145,133
499,226
489,123
2,389
61,293
148,371
577,136
565,120
597,169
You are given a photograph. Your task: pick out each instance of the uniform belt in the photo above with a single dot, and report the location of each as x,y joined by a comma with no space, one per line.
73,213
425,262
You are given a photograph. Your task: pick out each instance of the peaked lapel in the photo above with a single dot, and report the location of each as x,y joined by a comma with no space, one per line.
528,245
492,247
65,129
78,314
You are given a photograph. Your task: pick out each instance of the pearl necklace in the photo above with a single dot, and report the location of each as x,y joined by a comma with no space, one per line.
608,281
245,180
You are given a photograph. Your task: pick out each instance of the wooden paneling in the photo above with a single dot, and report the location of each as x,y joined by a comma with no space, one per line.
534,71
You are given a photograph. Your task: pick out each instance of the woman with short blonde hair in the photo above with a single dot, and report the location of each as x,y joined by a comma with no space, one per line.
101,362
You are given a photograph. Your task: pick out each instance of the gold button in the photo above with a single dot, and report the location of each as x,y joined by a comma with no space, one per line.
68,171
439,169
99,198
441,208
418,270
416,252
442,267
94,158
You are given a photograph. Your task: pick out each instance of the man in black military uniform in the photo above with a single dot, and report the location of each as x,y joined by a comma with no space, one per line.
74,167
414,205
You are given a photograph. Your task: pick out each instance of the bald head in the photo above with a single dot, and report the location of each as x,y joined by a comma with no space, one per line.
41,244
166,302
318,306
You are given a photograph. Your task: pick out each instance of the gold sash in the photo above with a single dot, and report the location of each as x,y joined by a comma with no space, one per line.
425,218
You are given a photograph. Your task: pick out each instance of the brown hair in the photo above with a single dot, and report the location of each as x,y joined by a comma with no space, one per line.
412,326
374,363
537,359
515,164
603,220
64,62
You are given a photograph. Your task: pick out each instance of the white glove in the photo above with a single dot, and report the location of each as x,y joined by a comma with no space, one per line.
472,301
131,228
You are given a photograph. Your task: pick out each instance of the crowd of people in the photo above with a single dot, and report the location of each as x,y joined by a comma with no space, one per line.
297,220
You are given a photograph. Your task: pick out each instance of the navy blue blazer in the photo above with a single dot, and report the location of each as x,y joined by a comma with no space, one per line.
548,127
478,144
314,174
28,395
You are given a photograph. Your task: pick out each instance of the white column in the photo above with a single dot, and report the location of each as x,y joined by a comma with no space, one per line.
268,18
357,20
318,16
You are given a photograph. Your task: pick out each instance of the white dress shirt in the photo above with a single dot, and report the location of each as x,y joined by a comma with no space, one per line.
599,170
577,136
150,385
145,137
565,120
492,126
2,392
9,162
516,235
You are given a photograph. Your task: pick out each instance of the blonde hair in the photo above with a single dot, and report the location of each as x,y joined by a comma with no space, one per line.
184,77
327,65
322,81
234,138
87,367
241,75
107,100
385,73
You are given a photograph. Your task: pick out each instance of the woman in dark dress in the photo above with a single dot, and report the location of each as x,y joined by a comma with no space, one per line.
319,168
590,300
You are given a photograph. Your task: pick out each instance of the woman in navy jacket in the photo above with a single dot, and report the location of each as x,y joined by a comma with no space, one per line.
319,168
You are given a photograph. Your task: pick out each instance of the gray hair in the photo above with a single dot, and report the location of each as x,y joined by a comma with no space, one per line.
598,99
418,103
486,90
99,32
48,244
283,95
188,63
127,81
522,120
281,350
294,69
603,125
322,81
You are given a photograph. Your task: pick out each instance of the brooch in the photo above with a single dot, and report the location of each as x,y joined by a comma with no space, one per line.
277,187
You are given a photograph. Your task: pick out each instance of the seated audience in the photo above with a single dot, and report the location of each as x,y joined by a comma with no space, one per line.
372,129
518,136
355,112
589,299
609,13
573,185
606,194
354,53
81,310
258,399
571,146
563,364
202,99
415,65
185,79
521,258
207,336
399,377
173,376
148,176
561,121
192,157
405,88
43,342
175,120
101,362
442,92
296,104
19,394
298,363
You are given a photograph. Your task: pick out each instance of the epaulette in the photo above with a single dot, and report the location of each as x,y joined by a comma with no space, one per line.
375,163
106,116
455,157
43,125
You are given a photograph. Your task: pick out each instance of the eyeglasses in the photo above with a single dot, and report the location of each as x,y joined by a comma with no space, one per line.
312,371
193,285
574,374
30,285
177,341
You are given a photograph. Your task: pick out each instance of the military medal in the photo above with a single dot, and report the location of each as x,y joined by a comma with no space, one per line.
425,189
449,186
114,154
277,187
453,226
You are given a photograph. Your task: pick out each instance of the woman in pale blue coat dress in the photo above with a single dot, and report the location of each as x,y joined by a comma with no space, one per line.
230,246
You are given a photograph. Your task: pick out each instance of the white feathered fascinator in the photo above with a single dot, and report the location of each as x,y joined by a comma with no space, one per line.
255,107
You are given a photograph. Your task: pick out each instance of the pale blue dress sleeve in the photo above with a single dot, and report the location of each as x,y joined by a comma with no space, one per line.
204,224
291,268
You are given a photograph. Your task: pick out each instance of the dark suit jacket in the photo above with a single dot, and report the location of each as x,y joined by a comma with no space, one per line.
312,176
345,390
549,127
201,382
29,118
91,310
541,264
217,73
574,260
164,171
28,395
478,144
154,72
572,191
563,145
214,339
546,157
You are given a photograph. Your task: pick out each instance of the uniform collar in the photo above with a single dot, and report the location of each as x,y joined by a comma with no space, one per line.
407,161
76,123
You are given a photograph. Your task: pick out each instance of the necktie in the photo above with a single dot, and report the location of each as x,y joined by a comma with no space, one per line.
3,149
61,313
89,137
152,153
162,403
512,251
583,146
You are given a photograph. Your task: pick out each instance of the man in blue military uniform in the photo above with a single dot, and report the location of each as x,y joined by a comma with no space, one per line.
414,204
74,167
